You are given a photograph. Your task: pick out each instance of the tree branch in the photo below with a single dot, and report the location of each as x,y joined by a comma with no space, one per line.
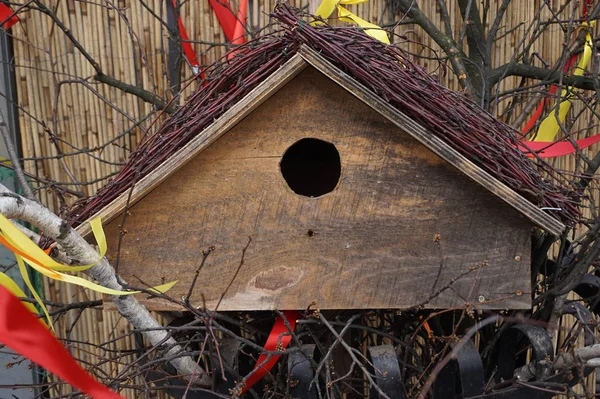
100,76
474,31
477,64
590,171
42,7
137,91
16,207
450,47
543,74
14,158
495,26
445,17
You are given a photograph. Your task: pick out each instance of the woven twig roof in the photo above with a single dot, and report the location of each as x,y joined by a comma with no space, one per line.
385,70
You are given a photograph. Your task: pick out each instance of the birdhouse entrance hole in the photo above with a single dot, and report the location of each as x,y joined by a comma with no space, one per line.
311,167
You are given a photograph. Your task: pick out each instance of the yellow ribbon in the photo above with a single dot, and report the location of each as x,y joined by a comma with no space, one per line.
14,289
26,251
550,126
23,246
327,7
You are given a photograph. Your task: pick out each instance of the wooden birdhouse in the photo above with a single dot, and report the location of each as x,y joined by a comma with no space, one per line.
313,190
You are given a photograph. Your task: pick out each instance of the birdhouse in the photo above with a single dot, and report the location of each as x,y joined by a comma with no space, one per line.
312,190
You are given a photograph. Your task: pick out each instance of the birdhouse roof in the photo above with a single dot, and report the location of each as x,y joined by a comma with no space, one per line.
447,123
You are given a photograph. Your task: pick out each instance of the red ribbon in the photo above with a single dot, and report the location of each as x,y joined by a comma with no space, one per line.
7,17
551,149
21,331
545,149
277,340
586,5
233,28
238,31
188,50
225,16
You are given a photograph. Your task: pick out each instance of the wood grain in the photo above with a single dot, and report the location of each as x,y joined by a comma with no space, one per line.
435,144
375,243
232,116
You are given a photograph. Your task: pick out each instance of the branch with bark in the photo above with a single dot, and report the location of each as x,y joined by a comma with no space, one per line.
588,356
80,251
455,54
474,70
100,76
542,74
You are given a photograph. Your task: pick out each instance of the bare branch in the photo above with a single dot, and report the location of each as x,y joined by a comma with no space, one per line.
14,158
474,32
495,26
450,47
100,76
137,91
445,17
546,75
76,248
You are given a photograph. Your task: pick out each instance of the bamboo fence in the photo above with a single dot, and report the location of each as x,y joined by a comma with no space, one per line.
59,98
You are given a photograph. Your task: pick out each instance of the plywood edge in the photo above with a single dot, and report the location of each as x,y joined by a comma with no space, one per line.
222,125
435,144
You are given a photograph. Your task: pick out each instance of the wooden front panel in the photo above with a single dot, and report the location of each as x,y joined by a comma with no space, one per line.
399,227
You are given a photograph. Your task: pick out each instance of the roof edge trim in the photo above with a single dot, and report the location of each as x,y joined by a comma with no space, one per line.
435,144
219,127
